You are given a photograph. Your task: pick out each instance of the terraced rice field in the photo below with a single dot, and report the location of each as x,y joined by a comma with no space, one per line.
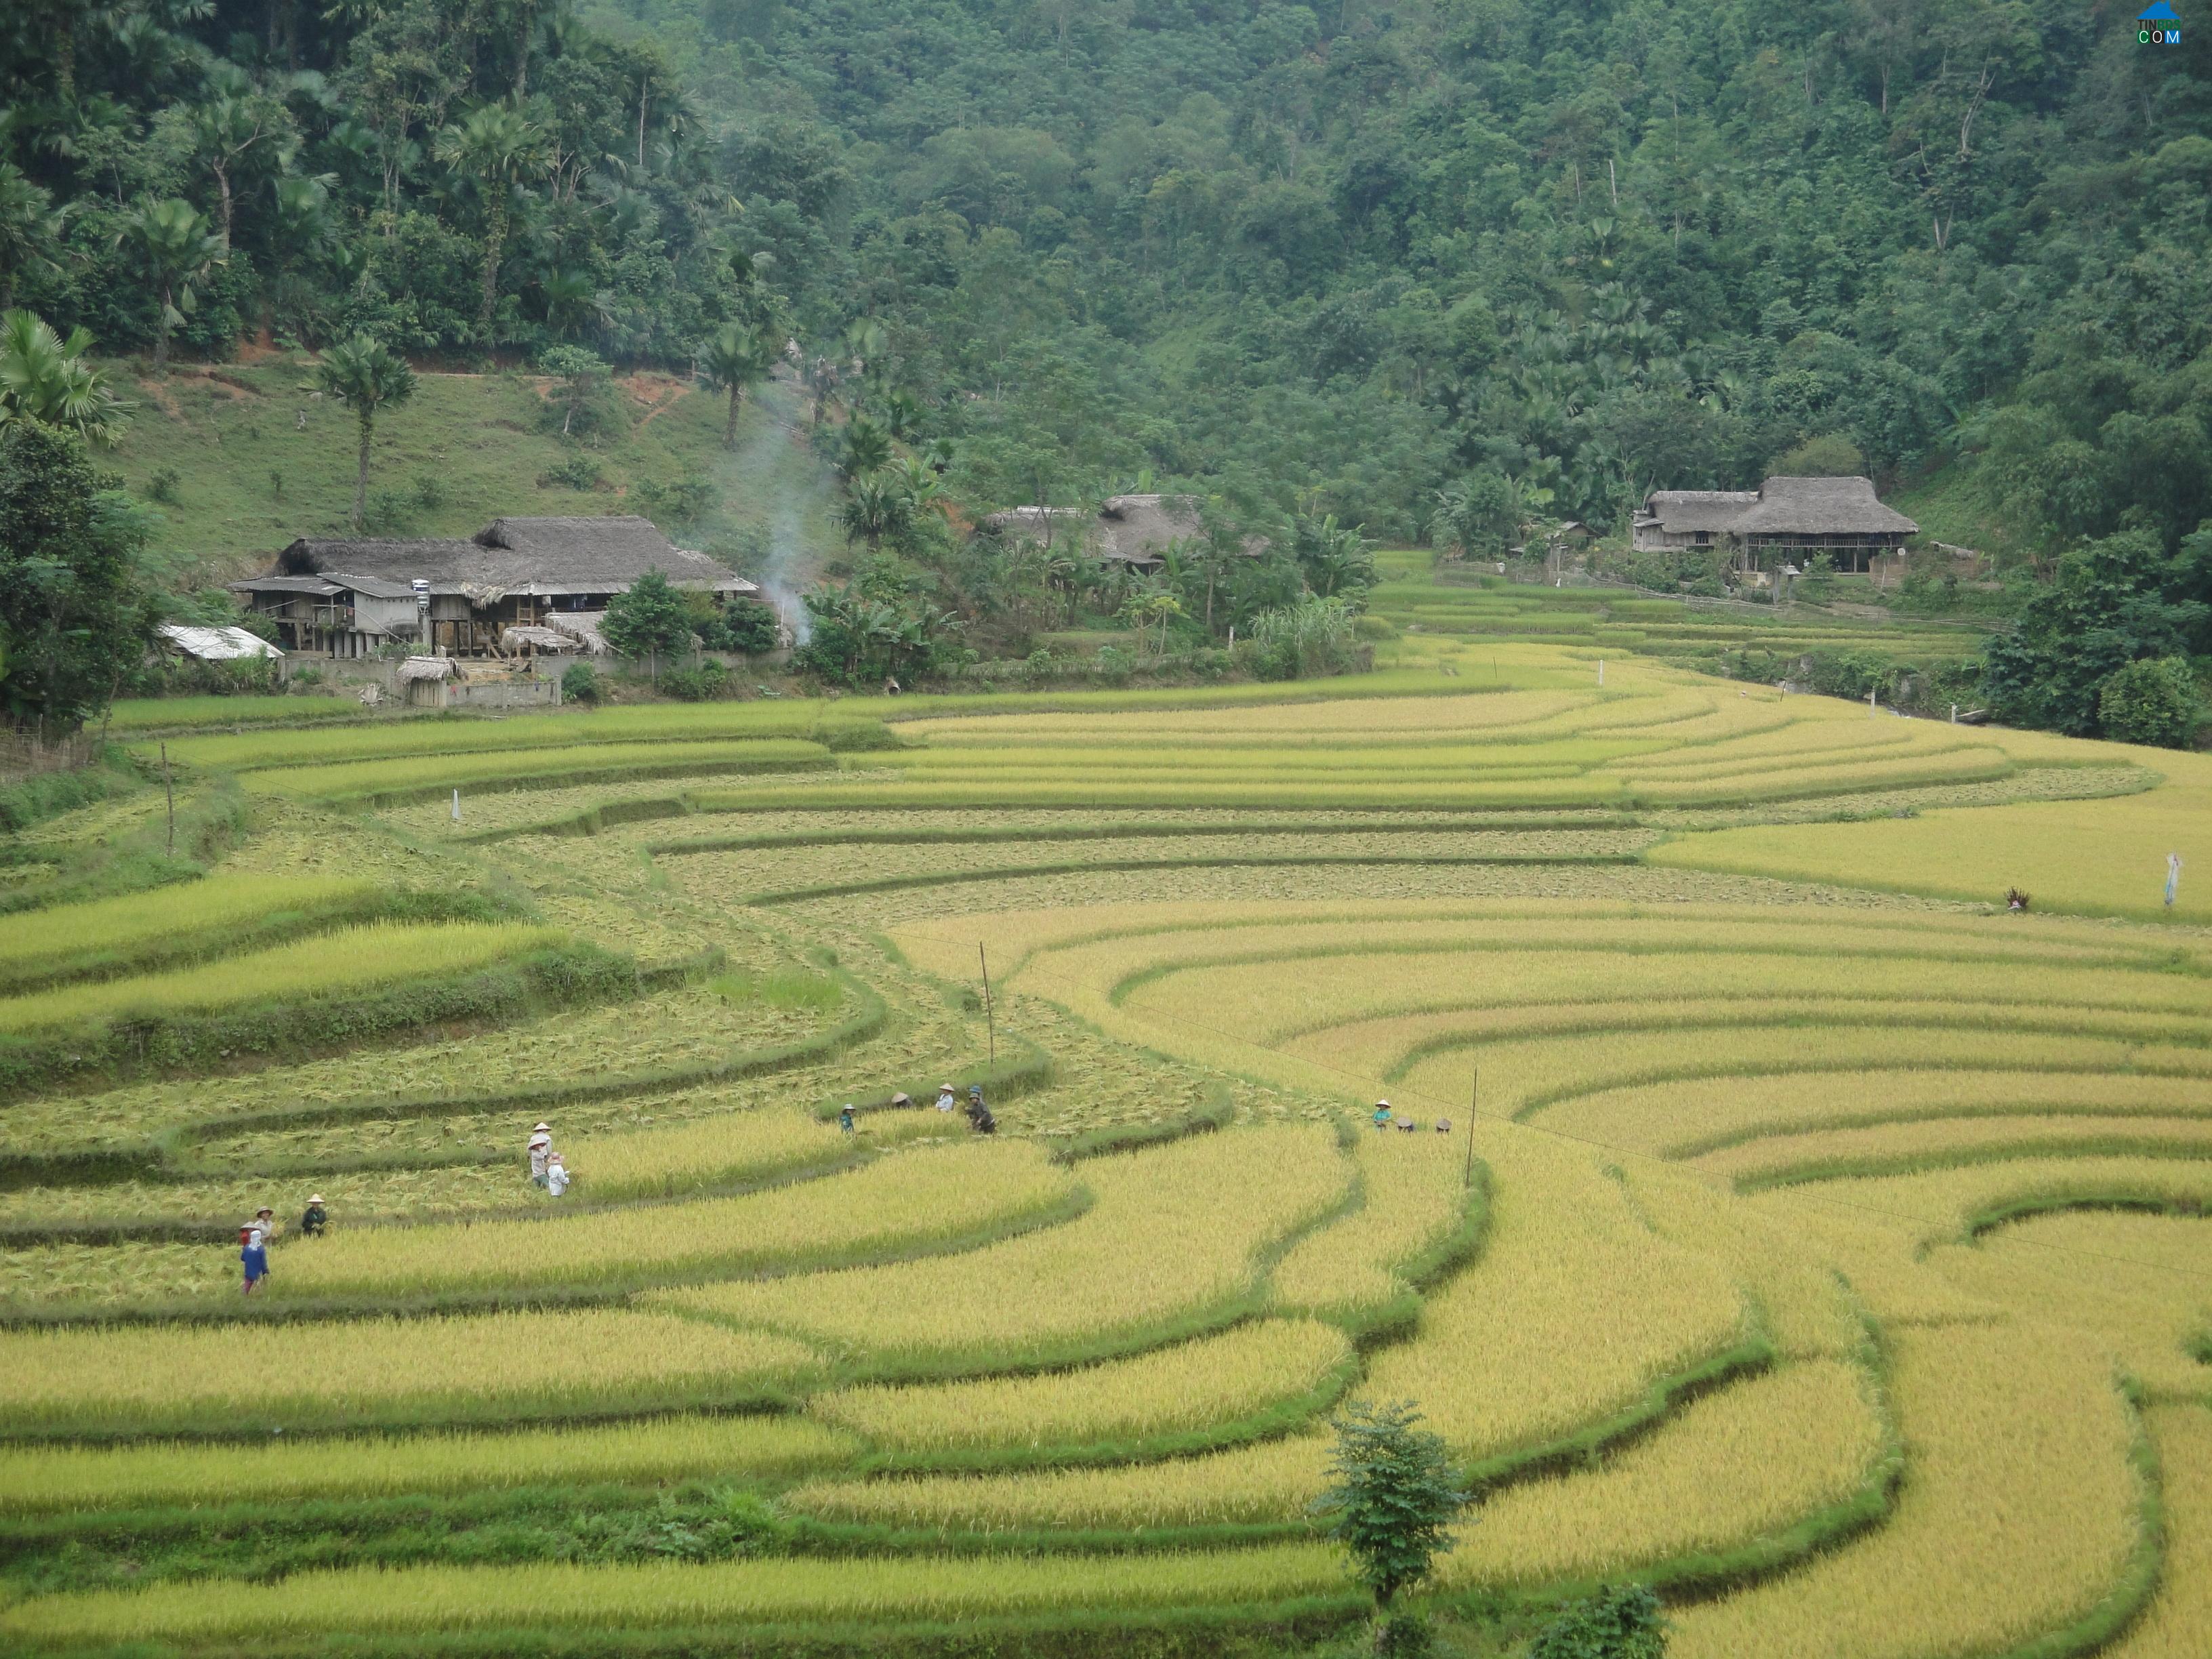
1811,1238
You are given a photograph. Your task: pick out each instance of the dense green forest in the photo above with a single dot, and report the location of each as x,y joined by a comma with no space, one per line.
1415,266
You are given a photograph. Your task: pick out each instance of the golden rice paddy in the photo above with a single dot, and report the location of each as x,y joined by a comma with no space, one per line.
1811,1238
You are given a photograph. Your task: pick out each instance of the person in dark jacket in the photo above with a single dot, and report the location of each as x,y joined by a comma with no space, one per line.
316,1219
979,1116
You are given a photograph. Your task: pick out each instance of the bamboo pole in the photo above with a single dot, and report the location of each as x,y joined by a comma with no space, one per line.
990,1019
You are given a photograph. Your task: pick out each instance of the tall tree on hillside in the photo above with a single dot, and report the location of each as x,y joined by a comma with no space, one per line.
498,148
30,229
369,378
736,359
74,612
172,244
238,126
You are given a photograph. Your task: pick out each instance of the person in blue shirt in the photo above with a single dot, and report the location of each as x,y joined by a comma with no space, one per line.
253,1247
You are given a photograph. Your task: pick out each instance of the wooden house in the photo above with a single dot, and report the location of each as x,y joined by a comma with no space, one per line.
347,597
1783,521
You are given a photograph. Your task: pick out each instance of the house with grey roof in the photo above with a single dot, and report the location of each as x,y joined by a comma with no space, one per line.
348,596
1783,521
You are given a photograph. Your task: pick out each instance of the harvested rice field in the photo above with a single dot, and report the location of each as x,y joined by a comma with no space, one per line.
1760,1210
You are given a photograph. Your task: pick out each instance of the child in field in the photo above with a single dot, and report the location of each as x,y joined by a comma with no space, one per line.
541,1151
845,1117
253,1250
317,1218
556,1175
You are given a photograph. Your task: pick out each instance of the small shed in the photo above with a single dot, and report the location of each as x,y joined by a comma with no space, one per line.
423,680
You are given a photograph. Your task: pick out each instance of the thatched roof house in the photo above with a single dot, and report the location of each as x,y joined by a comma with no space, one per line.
1131,531
347,595
1784,520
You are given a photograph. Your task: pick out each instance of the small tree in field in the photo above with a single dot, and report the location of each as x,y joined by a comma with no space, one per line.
649,619
1394,1500
1620,1622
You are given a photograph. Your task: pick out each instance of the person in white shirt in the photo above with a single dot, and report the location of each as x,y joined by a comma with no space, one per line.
556,1178
541,1152
945,1098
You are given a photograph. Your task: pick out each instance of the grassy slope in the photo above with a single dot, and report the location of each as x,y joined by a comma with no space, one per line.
482,438
1944,506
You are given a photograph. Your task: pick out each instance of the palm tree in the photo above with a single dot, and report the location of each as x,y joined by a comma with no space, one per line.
868,448
29,229
44,376
498,148
572,300
874,509
174,247
924,488
366,375
736,359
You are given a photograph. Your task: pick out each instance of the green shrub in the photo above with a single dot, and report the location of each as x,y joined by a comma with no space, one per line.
1621,1622
2154,700
574,472
704,680
580,683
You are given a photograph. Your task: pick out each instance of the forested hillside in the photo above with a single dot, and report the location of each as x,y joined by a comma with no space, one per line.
1353,255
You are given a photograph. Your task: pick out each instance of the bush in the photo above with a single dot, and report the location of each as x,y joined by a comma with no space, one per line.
1374,628
752,627
1114,665
673,504
1622,1622
699,683
576,471
580,683
2154,700
741,625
